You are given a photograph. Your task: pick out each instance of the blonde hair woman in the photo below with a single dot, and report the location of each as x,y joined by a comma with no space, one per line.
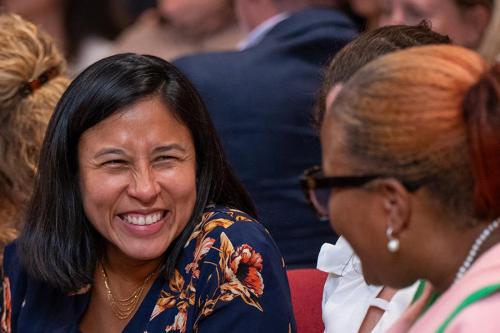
31,81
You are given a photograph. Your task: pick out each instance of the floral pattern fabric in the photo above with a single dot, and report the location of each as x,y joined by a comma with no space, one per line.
230,278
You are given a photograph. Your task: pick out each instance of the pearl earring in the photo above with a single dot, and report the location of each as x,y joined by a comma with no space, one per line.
393,243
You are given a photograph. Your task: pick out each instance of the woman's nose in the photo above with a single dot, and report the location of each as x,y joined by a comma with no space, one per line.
144,186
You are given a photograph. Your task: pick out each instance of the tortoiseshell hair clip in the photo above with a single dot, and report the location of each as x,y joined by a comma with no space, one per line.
29,87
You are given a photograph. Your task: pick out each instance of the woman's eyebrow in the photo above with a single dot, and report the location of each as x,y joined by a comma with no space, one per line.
159,149
109,151
166,148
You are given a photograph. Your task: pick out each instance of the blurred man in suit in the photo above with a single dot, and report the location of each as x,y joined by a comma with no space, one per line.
261,99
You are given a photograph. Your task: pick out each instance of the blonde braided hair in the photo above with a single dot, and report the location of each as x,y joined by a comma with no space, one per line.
26,53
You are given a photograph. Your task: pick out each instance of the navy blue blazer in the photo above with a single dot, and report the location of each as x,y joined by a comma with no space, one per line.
261,101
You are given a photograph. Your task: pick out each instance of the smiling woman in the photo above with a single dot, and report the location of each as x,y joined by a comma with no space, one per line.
137,222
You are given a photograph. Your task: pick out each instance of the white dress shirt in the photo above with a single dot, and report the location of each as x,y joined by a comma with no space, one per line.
258,34
346,295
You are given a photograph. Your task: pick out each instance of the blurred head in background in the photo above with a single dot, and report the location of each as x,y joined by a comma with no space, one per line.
197,17
82,29
367,47
464,21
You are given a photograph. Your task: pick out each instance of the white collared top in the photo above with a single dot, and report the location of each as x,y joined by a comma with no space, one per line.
346,295
258,33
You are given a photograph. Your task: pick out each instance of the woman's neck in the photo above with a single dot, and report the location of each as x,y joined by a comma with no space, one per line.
122,269
121,284
451,254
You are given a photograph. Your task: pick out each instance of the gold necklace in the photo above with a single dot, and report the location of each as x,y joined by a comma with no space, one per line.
123,308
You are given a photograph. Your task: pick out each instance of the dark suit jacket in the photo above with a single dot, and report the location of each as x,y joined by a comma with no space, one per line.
261,101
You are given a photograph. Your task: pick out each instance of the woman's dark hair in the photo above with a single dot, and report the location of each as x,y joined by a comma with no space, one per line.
59,245
481,108
369,46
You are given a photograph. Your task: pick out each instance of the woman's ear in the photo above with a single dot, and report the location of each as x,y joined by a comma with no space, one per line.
332,94
396,204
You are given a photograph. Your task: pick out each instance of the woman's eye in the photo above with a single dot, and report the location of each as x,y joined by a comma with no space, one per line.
115,163
415,15
165,158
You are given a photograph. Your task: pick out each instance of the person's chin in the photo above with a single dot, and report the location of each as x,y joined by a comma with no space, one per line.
144,242
370,278
144,252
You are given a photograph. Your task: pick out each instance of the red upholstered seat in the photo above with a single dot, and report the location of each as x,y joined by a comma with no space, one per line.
306,287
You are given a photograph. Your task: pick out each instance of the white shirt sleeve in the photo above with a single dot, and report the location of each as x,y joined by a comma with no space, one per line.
346,295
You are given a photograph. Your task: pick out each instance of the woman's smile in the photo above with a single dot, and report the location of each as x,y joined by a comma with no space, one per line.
144,224
142,219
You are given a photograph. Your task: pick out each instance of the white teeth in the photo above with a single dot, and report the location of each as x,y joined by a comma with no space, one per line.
142,219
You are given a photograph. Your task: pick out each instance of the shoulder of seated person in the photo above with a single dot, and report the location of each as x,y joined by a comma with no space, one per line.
480,316
235,224
10,254
222,217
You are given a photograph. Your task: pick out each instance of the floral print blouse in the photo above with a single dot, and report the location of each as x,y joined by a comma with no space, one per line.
230,278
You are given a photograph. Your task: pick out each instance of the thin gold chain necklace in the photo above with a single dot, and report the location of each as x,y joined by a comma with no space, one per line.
123,308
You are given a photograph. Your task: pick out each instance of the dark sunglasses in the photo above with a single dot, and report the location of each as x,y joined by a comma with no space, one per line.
317,187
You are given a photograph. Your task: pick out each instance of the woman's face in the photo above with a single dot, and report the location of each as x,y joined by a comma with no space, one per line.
355,213
138,178
366,8
190,14
446,17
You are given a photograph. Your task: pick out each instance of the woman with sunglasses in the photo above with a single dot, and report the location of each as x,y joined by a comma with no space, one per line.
364,307
411,165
